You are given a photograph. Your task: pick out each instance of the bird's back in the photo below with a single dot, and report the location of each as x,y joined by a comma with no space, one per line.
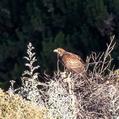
73,62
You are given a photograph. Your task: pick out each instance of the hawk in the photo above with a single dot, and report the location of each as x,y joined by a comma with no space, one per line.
71,61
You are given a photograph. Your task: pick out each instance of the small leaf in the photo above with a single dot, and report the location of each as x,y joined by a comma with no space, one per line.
27,64
36,67
26,58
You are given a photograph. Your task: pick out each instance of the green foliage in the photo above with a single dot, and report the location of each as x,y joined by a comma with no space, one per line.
77,25
96,11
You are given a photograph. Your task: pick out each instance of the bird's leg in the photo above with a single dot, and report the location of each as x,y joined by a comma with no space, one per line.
67,71
58,63
64,68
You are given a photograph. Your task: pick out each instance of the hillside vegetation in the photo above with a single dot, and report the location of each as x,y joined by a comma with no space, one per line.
91,95
79,26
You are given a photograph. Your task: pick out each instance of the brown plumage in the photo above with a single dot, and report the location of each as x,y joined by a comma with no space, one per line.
71,61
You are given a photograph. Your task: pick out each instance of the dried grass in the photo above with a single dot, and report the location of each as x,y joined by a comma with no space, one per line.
15,107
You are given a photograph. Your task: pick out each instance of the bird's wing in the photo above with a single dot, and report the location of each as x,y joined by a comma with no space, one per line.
72,60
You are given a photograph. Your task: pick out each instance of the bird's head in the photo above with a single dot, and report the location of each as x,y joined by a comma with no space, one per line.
59,51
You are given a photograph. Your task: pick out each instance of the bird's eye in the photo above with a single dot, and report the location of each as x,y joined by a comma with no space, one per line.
59,52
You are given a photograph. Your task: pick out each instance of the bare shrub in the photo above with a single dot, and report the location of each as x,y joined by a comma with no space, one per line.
92,95
61,102
97,94
100,62
56,95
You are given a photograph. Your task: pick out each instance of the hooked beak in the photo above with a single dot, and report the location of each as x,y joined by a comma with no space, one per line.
55,50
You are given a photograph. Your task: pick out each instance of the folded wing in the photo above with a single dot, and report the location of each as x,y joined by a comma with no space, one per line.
73,62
